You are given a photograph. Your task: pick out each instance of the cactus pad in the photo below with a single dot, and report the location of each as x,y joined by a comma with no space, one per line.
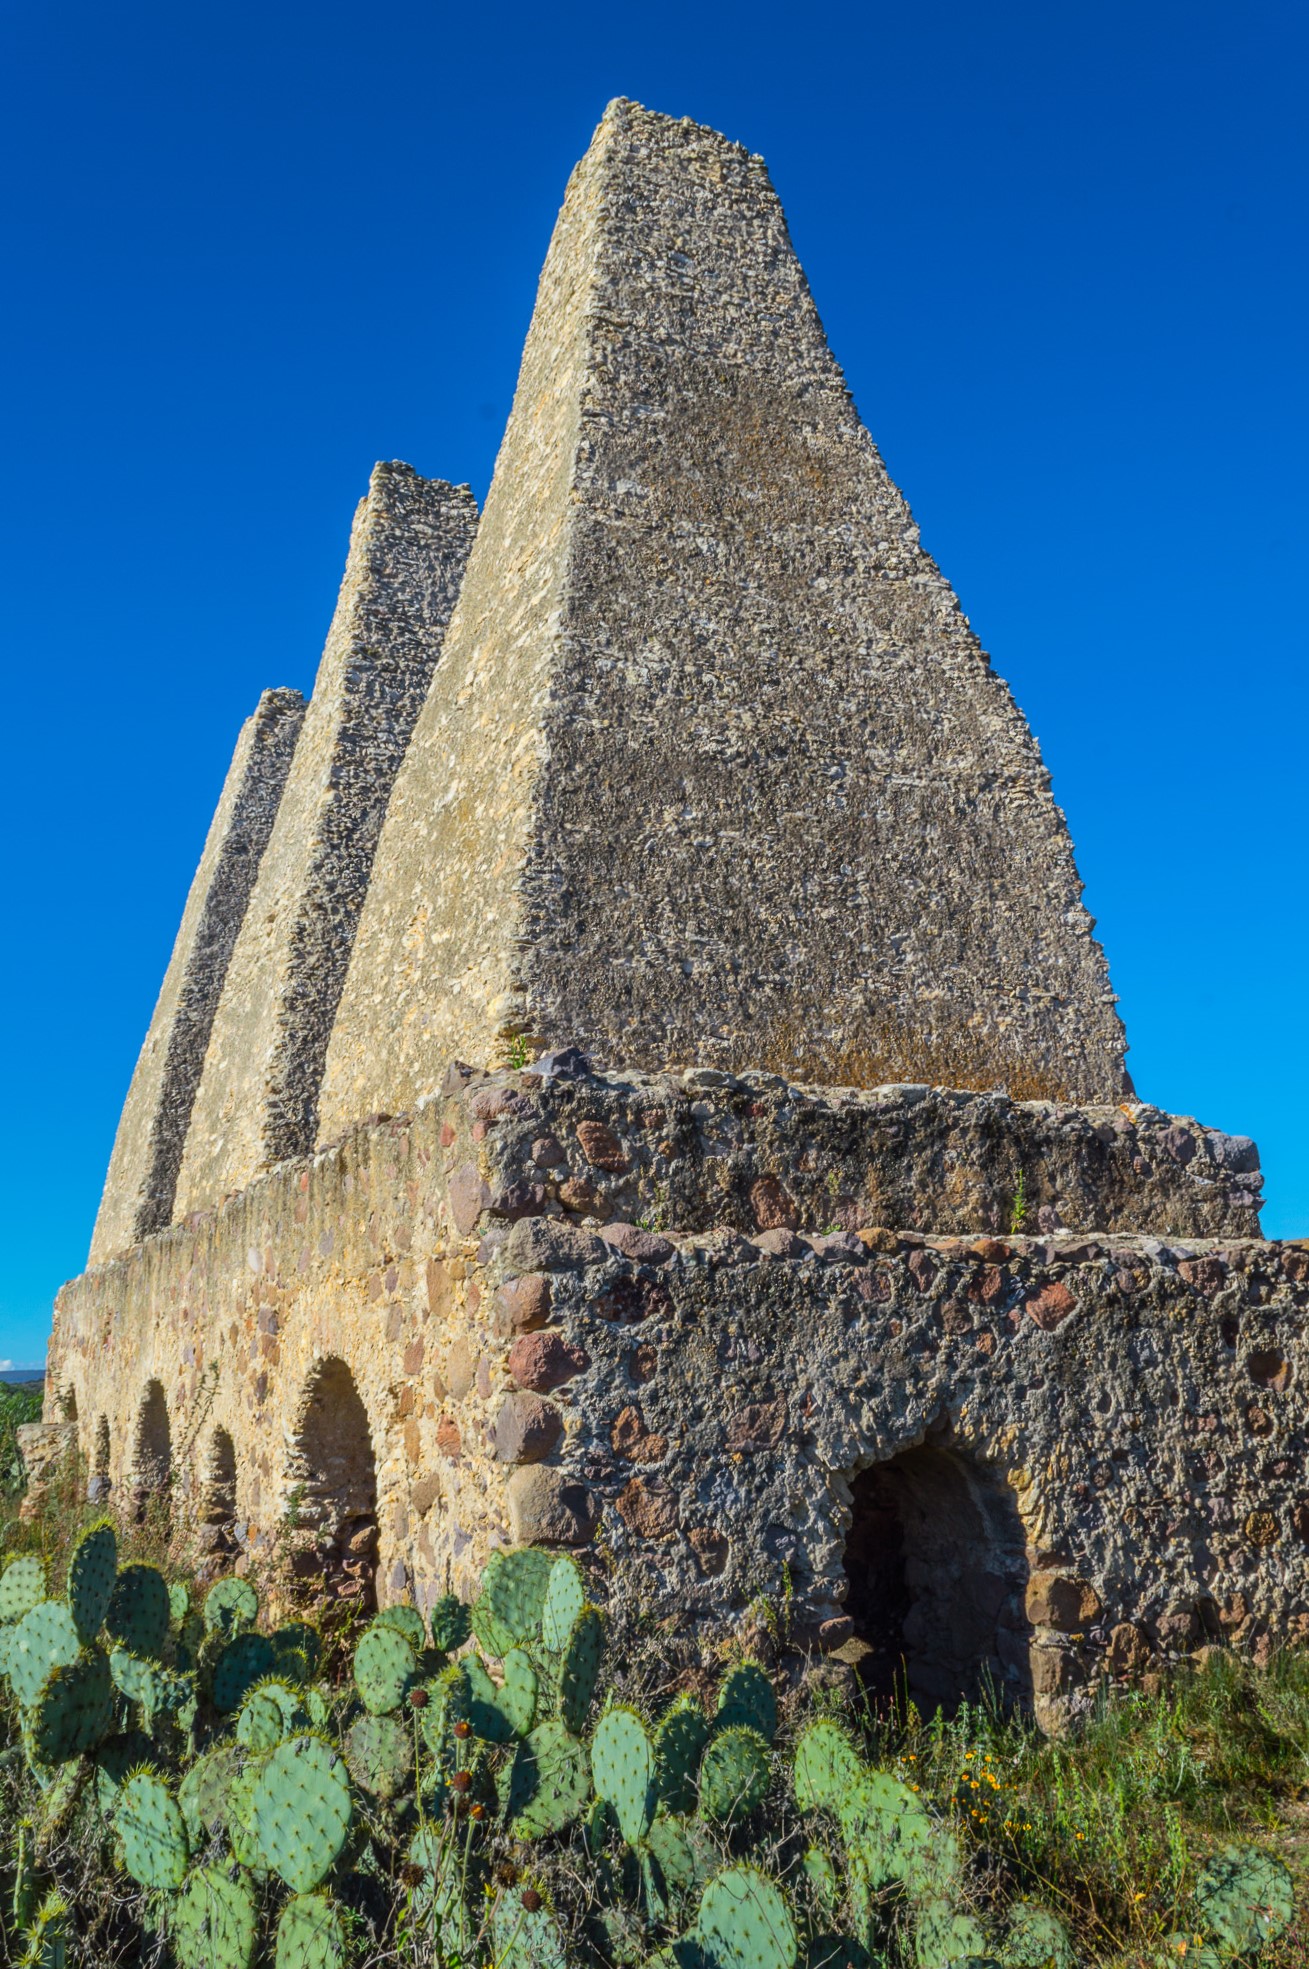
746,1699
744,1922
297,1647
310,1934
826,1765
507,1611
214,1920
565,1596
138,1612
525,1934
385,1669
1245,1898
622,1770
22,1584
300,1812
679,1743
820,1879
246,1659
406,1620
942,1937
1037,1939
152,1831
231,1605
436,1901
74,1710
44,1639
92,1576
380,1753
450,1623
202,1796
47,1937
263,1722
683,1851
734,1774
579,1666
552,1782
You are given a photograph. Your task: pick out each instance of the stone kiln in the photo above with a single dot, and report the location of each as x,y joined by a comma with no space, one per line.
684,753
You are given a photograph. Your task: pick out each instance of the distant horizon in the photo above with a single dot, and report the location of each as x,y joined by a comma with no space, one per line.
1064,290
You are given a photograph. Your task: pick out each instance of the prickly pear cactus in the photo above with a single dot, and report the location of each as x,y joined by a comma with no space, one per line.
1245,1898
734,1774
297,1646
385,1669
407,1621
300,1812
579,1666
380,1754
450,1623
507,1611
231,1605
679,1743
152,1832
147,1682
74,1710
45,1638
746,1700
524,1932
310,1934
261,1724
47,1937
1037,1939
551,1782
202,1795
683,1852
22,1901
826,1765
92,1576
943,1937
138,1613
214,1920
821,1881
22,1584
744,1921
236,1667
565,1596
622,1770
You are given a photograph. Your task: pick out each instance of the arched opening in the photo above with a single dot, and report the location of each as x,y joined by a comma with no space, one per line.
332,1500
218,1497
152,1453
68,1404
936,1561
97,1489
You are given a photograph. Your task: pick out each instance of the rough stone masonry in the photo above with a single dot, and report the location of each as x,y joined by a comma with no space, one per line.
795,1231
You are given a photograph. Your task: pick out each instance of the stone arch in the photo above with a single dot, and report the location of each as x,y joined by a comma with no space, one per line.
332,1491
936,1565
68,1404
152,1449
218,1496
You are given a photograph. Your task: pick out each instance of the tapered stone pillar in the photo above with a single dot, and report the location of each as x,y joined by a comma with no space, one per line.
713,768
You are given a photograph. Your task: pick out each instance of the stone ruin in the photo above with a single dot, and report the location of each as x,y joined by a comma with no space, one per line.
795,1234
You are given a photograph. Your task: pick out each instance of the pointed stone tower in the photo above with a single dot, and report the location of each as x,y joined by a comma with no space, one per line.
258,1097
714,768
142,1179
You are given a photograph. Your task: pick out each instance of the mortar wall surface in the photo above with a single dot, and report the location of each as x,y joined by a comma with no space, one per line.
258,1096
721,773
706,1401
142,1179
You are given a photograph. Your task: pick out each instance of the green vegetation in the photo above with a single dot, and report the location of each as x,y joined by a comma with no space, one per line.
504,1783
18,1404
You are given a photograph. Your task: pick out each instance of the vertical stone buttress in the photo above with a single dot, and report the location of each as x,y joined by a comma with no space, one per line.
258,1096
714,768
138,1194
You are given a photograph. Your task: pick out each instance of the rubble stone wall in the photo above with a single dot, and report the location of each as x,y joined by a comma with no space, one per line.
701,1401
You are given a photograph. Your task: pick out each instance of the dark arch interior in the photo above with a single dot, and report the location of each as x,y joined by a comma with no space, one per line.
334,1484
68,1404
937,1568
218,1497
152,1450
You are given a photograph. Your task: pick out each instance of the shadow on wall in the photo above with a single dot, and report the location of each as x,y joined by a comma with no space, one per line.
152,1451
936,1560
218,1498
333,1490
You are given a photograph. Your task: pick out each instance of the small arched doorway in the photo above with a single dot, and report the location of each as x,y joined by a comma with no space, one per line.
332,1505
97,1489
68,1404
152,1454
936,1561
218,1497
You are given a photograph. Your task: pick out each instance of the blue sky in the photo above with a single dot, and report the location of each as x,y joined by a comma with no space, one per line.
1060,252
